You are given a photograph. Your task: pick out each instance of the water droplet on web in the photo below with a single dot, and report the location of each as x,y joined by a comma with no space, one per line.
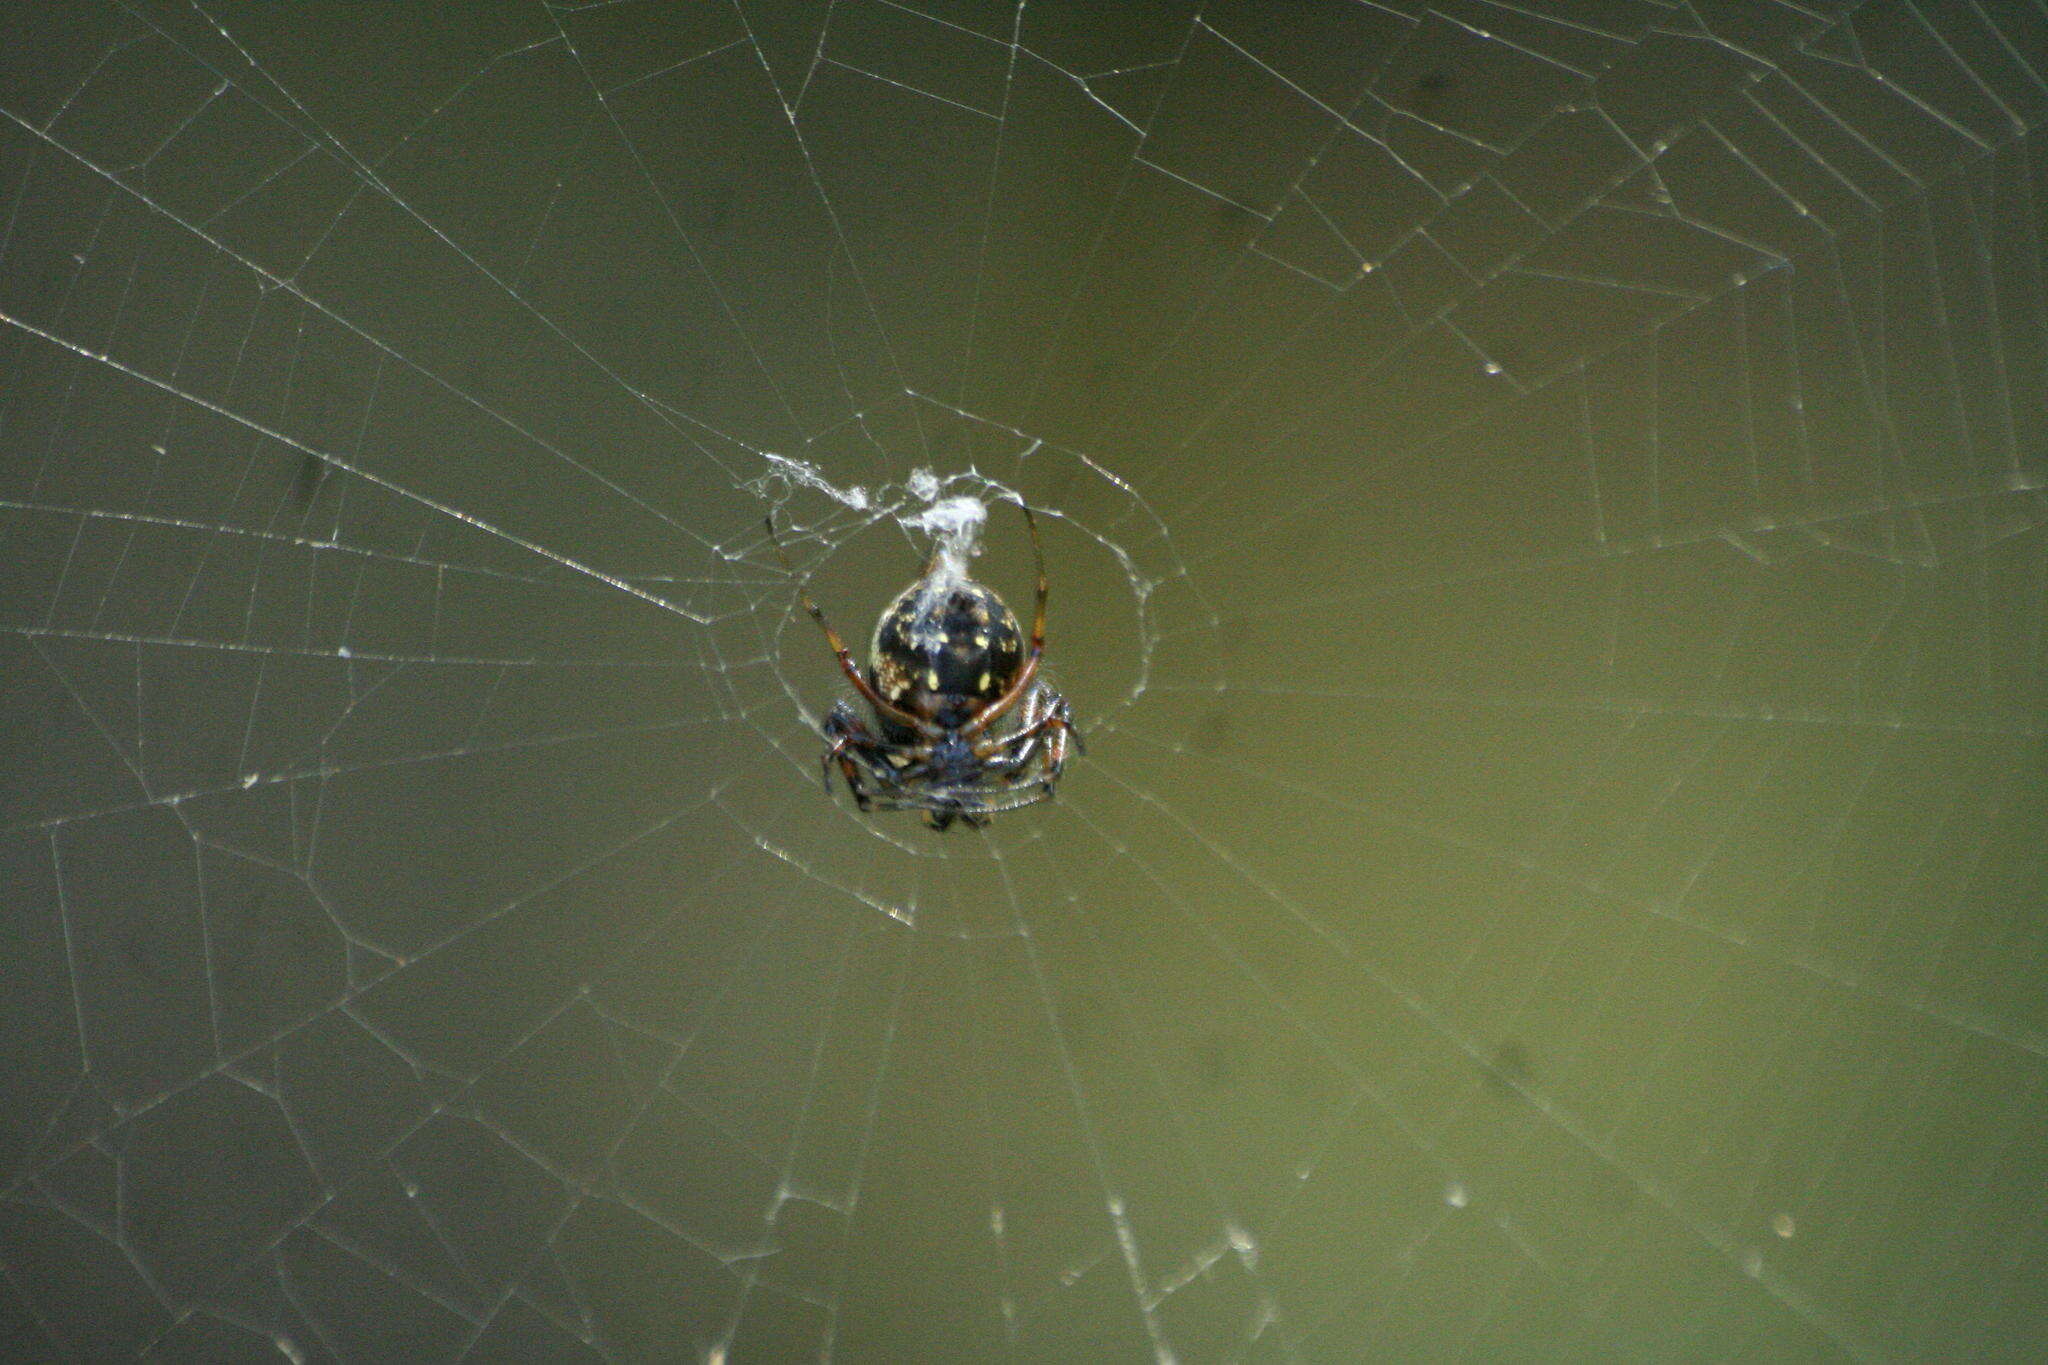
1456,1195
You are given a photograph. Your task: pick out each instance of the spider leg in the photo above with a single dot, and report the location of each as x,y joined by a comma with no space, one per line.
883,706
1057,729
848,738
839,753
1030,721
1019,758
940,817
836,750
1056,752
1048,726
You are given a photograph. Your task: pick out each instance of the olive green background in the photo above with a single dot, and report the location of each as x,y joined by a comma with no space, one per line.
1545,520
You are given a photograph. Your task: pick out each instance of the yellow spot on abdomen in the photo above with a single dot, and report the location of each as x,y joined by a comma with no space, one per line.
931,679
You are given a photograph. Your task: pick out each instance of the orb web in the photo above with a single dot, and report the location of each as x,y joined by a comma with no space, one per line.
1544,512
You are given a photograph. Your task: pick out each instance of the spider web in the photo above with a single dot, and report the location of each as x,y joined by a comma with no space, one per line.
1544,509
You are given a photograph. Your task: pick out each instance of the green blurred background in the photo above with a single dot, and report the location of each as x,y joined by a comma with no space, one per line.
1544,512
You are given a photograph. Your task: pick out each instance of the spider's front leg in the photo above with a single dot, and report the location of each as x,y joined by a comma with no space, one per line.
1060,729
1045,726
847,737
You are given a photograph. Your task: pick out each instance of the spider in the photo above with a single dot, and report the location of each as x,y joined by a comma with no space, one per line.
947,662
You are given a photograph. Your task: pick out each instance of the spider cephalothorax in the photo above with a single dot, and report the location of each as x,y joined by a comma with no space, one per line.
946,663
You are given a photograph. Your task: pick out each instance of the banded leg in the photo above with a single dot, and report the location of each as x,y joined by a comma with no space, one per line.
847,737
1047,727
883,706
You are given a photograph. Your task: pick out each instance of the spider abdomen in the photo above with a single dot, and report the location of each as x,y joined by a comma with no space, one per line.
942,653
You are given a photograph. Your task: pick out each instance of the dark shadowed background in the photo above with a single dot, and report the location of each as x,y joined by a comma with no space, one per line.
1545,512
